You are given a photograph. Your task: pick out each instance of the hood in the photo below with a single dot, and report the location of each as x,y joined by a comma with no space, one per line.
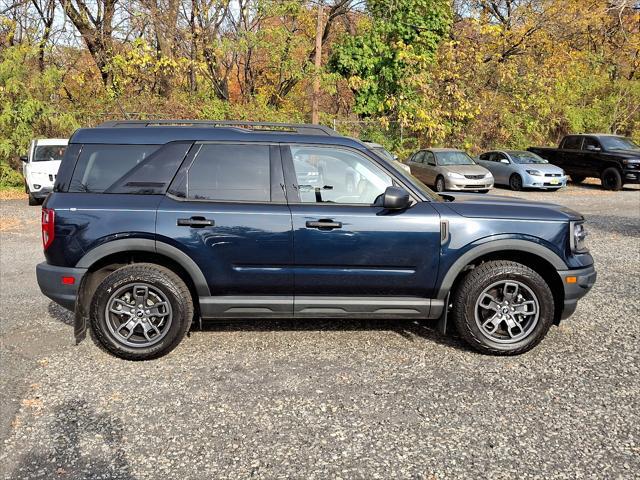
494,206
541,167
626,153
466,169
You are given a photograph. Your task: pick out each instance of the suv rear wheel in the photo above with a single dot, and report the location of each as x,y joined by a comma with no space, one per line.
141,311
503,308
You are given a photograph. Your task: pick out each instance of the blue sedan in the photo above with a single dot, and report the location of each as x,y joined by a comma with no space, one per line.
522,169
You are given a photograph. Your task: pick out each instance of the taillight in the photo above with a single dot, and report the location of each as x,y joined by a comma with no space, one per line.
48,227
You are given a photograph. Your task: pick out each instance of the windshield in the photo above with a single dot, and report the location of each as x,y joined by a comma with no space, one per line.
384,153
453,158
618,143
48,153
524,158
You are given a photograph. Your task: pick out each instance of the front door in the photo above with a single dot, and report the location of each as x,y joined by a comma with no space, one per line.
352,257
226,210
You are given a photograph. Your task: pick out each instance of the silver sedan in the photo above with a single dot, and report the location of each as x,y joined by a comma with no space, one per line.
521,169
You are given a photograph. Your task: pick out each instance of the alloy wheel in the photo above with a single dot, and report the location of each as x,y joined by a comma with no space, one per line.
507,311
138,315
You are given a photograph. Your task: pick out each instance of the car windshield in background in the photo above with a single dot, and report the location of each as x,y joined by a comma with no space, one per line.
48,153
618,143
454,158
383,152
525,158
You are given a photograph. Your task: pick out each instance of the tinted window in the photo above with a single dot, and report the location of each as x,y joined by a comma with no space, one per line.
485,156
100,166
47,153
572,143
230,173
337,176
619,143
153,174
525,158
590,143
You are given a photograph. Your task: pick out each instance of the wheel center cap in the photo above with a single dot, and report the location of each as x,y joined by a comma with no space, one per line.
505,309
140,313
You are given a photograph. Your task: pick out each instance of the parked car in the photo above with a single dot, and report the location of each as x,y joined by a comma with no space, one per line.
154,225
615,160
522,169
450,169
40,167
387,155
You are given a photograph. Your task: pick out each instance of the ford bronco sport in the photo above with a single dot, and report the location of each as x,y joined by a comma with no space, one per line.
154,225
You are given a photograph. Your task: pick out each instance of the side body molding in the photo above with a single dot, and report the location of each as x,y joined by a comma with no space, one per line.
146,245
512,245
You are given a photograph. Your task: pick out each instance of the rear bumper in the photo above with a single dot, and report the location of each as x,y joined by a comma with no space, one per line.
42,193
51,285
585,279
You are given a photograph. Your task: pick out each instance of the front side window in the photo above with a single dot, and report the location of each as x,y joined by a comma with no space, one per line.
619,143
331,175
429,158
225,172
590,144
100,166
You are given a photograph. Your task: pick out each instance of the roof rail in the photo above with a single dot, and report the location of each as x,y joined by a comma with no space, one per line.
300,128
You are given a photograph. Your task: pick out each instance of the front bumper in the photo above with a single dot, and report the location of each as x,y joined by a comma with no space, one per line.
461,184
631,176
537,181
585,279
50,280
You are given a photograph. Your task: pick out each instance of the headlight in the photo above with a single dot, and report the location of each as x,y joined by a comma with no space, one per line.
536,173
578,237
454,175
488,175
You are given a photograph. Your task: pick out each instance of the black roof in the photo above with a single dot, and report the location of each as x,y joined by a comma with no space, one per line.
156,132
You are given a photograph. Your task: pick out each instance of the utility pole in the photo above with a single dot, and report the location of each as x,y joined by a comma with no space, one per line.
318,64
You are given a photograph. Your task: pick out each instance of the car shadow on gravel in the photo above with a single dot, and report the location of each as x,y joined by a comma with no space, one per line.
76,427
59,313
410,330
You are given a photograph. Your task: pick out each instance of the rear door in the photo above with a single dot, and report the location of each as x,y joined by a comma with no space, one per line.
226,209
352,257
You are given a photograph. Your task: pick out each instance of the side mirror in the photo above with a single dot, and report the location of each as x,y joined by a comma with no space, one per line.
395,157
593,148
504,160
395,198
24,158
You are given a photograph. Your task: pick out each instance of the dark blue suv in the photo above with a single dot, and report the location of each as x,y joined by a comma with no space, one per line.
153,225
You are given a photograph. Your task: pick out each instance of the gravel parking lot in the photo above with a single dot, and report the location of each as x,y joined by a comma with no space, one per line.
339,399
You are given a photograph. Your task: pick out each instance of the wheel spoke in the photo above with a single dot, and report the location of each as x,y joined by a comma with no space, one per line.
141,294
494,321
511,325
155,309
130,326
510,291
489,302
146,328
526,308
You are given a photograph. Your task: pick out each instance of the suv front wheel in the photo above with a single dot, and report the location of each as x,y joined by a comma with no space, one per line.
503,308
141,311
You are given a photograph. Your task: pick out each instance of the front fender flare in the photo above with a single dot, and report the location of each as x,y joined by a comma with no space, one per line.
512,245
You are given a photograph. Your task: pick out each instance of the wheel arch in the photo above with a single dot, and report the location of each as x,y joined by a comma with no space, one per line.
540,259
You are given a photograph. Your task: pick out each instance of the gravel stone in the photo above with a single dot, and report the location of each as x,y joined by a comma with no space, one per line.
327,398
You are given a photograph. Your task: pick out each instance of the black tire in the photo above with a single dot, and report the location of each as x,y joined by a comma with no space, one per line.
611,179
577,178
440,185
467,296
33,201
515,182
161,280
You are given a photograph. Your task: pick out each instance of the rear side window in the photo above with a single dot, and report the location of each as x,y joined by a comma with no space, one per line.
100,166
572,143
223,172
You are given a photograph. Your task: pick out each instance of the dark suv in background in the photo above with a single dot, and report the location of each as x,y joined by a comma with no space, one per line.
153,225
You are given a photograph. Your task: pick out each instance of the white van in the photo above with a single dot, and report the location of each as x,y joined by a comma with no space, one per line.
40,167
